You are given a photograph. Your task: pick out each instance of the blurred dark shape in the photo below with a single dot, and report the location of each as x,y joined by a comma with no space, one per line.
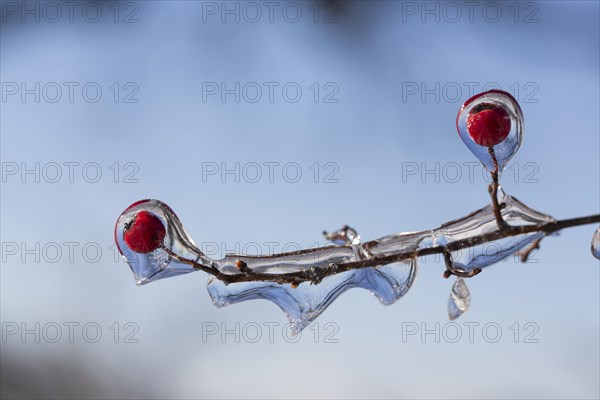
42,376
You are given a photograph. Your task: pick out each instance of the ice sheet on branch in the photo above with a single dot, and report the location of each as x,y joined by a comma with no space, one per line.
306,302
482,222
388,283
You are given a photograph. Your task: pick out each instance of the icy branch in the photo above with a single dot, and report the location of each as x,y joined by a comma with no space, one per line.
330,260
303,283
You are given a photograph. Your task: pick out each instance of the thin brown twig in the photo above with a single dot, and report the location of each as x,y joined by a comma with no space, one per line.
452,270
493,189
526,253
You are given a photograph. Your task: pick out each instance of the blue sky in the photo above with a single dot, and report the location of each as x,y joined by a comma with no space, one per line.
362,146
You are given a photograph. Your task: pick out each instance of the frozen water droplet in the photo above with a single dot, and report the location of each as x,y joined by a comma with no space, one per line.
344,236
149,267
459,300
306,302
596,244
491,125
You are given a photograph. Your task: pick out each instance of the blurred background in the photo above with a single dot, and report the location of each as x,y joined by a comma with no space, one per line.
262,124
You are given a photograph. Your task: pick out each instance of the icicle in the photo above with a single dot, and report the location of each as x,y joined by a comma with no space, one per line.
459,300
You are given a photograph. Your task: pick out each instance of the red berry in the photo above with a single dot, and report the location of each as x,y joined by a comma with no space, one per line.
144,233
488,124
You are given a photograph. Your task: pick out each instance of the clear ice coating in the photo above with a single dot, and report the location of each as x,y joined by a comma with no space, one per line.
302,304
158,264
306,302
508,147
596,244
459,300
482,222
346,235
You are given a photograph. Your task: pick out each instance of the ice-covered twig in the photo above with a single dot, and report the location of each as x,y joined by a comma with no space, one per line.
303,283
315,264
375,261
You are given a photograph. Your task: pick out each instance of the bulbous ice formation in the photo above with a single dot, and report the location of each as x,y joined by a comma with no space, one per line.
491,125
